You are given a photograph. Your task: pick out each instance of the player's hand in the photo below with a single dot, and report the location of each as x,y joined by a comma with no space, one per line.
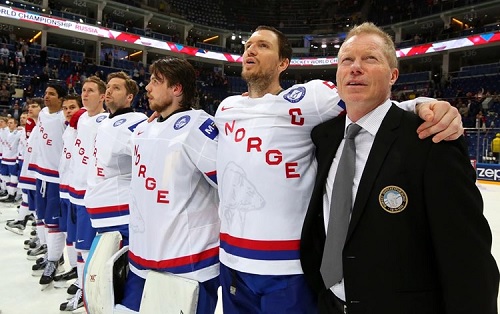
441,120
153,116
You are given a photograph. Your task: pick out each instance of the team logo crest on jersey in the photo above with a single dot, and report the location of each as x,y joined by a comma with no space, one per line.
119,122
181,122
393,199
209,129
100,118
295,95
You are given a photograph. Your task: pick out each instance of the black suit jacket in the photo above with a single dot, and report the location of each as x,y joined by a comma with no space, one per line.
434,256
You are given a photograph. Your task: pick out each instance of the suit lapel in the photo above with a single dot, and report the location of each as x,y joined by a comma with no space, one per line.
327,143
381,146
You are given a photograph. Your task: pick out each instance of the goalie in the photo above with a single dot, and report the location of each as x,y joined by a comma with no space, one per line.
174,225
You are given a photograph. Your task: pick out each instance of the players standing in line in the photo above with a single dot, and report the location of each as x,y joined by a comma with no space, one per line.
48,149
174,225
107,197
80,231
266,170
9,159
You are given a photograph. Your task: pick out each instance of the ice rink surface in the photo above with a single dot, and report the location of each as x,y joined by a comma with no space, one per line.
20,292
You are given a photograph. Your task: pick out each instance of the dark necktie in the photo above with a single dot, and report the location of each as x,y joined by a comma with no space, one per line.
340,211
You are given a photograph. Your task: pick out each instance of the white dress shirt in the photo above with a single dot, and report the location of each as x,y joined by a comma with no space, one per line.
370,124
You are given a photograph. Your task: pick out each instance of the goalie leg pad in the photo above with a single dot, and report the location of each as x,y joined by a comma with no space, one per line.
169,294
98,279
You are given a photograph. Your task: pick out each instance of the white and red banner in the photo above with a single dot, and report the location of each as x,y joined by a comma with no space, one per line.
13,13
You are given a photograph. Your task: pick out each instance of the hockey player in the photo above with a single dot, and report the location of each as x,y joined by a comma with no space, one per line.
27,178
9,158
70,107
18,225
4,169
20,155
108,193
81,231
107,197
48,149
266,169
174,200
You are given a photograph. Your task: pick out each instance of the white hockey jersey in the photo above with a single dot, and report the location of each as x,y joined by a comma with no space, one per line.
3,139
174,225
82,150
65,171
108,193
266,170
11,147
21,148
27,178
49,145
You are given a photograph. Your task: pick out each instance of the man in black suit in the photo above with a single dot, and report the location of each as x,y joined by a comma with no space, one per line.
417,241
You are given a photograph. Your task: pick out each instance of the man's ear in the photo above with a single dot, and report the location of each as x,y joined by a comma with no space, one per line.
394,76
178,90
283,65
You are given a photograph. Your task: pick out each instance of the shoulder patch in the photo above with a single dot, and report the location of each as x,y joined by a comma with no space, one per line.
209,129
119,122
295,95
181,122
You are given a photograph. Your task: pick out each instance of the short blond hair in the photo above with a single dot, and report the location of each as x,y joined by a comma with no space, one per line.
370,28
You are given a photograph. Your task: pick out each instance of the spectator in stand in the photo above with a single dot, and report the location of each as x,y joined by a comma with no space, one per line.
44,78
142,75
28,92
65,60
495,147
3,66
5,53
19,56
4,97
473,105
480,120
70,81
135,74
128,25
99,74
15,112
77,68
108,21
54,73
42,61
11,68
83,77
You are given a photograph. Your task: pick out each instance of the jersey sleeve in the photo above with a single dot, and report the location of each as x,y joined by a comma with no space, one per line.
202,147
327,99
